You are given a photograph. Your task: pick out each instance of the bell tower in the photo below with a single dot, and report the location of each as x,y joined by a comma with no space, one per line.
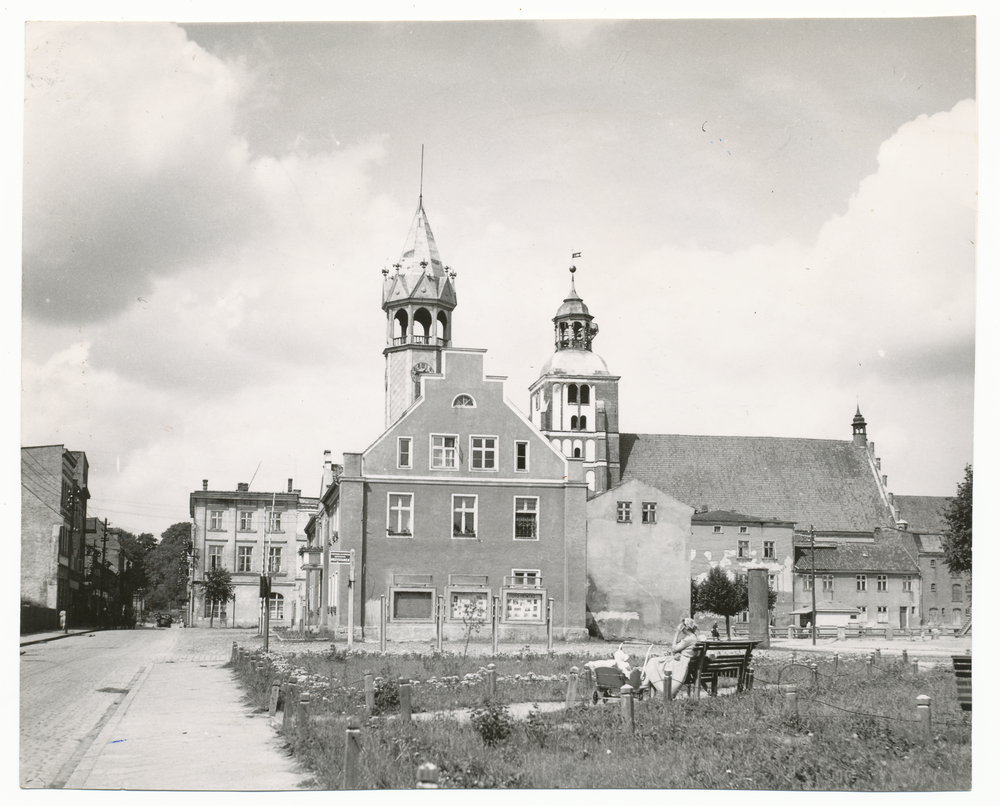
575,400
418,297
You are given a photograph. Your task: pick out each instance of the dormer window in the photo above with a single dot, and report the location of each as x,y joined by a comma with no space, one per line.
463,402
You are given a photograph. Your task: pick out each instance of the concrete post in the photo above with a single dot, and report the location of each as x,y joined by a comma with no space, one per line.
491,681
628,708
405,710
496,624
757,601
369,691
906,659
571,686
888,633
924,715
791,632
235,653
668,685
440,622
302,716
352,752
381,623
791,701
427,776
815,673
273,702
548,624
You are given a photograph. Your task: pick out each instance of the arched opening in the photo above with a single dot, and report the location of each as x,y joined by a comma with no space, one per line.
583,422
571,393
577,448
567,447
591,452
442,333
463,402
562,339
422,326
573,422
591,480
577,334
584,395
399,325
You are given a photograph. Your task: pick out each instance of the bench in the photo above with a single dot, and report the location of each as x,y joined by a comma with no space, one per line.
715,659
963,678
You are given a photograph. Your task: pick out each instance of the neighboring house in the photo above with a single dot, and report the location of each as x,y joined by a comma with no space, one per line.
732,540
638,577
54,495
945,597
103,565
249,533
880,578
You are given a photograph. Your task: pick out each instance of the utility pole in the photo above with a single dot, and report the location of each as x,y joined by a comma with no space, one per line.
812,551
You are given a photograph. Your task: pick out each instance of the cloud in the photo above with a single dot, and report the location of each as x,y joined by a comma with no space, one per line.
132,166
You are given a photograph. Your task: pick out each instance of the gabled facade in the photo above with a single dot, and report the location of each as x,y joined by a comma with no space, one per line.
249,533
459,501
54,495
638,566
732,541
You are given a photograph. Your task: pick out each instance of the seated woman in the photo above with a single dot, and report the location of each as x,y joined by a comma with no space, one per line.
654,672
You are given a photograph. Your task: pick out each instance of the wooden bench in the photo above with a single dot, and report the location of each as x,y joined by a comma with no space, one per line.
963,677
715,659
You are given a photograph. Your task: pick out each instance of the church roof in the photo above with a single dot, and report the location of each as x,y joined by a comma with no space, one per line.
575,362
420,247
827,484
922,513
573,305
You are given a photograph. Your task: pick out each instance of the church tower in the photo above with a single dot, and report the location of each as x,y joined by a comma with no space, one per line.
575,400
418,297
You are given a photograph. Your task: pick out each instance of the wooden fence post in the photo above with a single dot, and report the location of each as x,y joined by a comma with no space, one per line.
427,776
792,701
491,681
272,707
286,715
369,691
628,707
916,667
668,685
815,671
352,752
924,715
405,711
302,715
571,686
235,653
440,622
906,659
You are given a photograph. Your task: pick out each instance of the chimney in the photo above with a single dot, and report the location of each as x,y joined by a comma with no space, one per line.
885,481
878,463
890,496
242,487
871,446
289,485
204,485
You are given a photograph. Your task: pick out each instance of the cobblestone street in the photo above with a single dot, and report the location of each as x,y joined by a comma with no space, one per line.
72,686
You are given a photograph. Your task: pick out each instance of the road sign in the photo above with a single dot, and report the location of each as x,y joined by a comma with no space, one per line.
340,557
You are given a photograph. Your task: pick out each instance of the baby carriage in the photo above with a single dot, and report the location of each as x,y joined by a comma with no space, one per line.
610,676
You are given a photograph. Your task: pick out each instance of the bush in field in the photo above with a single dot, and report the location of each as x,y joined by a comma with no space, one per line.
386,696
493,722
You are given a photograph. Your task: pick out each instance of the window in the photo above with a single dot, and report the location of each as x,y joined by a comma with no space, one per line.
215,556
768,549
571,395
463,402
828,582
648,512
772,581
399,520
413,605
956,593
861,582
933,587
403,452
276,606
584,395
933,563
215,609
882,583
716,530
526,519
526,577
574,423
484,453
744,530
246,521
274,522
463,509
882,615
215,519
907,584
244,559
521,451
583,422
443,451
807,583
624,512
743,548
932,614
274,559
863,615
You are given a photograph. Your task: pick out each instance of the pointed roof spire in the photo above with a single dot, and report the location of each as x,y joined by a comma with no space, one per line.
573,305
420,252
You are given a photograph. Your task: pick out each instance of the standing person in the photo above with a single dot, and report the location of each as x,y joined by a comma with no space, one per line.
62,621
682,650
715,631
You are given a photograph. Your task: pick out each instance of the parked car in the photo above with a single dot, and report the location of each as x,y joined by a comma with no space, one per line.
164,619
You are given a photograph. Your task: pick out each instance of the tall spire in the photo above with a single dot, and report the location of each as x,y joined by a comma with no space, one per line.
420,252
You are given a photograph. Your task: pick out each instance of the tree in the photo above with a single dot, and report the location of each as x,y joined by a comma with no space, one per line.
167,567
958,515
694,597
218,589
720,595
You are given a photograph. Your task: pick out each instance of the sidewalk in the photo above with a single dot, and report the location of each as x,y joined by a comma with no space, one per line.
42,637
183,726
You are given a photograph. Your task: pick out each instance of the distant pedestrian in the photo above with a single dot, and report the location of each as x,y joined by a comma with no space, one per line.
715,631
62,621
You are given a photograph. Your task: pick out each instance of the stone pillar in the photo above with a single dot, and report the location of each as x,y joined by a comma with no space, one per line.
757,595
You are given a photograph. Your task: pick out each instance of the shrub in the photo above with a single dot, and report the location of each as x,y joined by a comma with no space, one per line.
386,696
493,722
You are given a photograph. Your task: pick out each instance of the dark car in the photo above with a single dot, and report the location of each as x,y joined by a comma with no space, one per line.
164,620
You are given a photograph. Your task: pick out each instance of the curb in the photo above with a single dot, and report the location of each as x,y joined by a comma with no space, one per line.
59,637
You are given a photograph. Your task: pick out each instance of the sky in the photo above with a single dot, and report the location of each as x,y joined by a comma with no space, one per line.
777,221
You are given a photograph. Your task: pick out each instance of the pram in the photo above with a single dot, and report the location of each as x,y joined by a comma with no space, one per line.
610,676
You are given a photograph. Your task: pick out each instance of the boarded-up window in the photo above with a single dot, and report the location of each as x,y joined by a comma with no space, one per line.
413,605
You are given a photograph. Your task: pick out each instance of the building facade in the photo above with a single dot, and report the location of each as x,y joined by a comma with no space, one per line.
249,534
54,495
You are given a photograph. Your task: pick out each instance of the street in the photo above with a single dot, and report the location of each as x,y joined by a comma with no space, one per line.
71,687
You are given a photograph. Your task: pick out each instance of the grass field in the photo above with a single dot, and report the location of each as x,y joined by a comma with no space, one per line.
856,729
